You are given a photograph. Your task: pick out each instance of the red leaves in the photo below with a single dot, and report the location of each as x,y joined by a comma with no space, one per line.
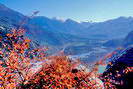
19,69
128,69
1,62
9,35
16,64
57,72
60,74
27,40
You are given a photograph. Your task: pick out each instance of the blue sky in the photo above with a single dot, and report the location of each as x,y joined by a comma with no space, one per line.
79,10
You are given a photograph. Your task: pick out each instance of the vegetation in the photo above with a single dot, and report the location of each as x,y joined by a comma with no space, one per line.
25,67
18,67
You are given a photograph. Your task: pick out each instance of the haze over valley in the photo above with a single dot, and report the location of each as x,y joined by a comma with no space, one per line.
86,40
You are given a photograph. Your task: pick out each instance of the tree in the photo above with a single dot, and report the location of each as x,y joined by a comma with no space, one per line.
17,59
18,66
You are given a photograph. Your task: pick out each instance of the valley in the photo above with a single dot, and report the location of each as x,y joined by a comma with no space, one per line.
88,41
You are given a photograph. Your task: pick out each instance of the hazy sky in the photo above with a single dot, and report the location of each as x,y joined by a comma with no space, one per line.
79,10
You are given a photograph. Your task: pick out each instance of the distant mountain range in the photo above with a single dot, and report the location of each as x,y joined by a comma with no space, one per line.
115,28
70,35
111,29
39,28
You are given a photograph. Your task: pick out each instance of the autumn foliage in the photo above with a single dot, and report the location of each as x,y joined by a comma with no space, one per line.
16,59
25,67
18,67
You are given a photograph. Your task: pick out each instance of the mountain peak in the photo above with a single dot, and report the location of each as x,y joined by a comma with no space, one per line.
59,19
124,18
71,21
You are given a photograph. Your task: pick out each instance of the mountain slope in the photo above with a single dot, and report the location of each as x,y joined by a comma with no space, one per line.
42,29
129,39
68,33
111,29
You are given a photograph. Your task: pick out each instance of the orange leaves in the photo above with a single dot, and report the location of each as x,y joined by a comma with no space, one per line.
11,86
9,35
27,40
7,79
15,33
128,69
2,73
20,68
1,62
62,73
17,63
